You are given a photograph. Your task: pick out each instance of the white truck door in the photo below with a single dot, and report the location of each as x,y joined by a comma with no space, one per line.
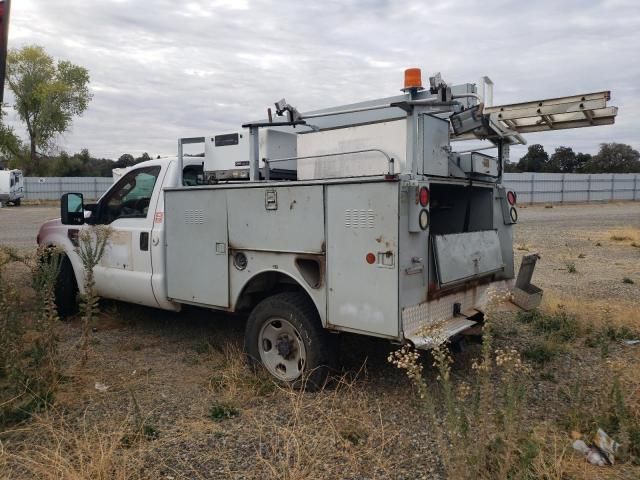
125,271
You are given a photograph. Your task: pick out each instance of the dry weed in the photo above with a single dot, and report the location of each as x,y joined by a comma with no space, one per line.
51,447
625,235
593,313
334,433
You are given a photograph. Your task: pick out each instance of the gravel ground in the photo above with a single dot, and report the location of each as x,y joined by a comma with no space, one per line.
176,366
19,225
580,235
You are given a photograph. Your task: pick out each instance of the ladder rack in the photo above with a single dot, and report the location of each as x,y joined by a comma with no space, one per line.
555,113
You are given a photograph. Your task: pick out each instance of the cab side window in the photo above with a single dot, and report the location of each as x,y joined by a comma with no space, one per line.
131,196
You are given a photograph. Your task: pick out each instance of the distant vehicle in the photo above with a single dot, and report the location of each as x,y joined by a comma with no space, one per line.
11,186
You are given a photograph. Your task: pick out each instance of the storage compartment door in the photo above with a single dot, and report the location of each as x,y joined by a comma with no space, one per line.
197,245
362,257
435,140
465,256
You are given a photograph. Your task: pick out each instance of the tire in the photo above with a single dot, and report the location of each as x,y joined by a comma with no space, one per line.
66,289
16,203
284,335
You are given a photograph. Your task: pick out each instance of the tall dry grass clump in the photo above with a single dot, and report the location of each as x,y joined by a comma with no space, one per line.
92,243
10,324
55,448
29,345
334,433
478,430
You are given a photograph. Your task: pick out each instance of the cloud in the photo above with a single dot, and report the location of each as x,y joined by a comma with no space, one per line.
163,69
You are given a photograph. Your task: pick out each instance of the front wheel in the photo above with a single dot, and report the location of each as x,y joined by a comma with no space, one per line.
16,202
285,336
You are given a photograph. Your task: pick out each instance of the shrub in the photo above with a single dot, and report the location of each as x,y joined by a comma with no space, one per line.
222,411
541,352
559,325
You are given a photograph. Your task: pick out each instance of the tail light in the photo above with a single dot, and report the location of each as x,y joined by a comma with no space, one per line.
423,219
423,196
513,213
512,198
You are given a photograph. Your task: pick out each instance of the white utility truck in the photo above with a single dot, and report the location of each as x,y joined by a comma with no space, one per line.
363,218
11,187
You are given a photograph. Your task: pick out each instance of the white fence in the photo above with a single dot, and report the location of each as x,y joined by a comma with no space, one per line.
573,187
51,188
530,187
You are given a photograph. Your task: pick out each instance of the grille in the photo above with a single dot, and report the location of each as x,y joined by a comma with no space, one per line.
359,218
194,216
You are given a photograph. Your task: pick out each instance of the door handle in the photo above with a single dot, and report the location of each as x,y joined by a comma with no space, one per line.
155,241
144,241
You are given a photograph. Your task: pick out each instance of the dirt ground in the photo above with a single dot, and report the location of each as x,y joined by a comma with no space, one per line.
176,372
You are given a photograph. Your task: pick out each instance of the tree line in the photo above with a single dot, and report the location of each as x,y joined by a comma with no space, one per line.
49,94
611,158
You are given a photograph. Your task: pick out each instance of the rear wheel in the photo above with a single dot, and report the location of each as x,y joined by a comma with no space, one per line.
66,289
16,202
285,336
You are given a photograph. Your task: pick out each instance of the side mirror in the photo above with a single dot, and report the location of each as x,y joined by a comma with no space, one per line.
72,209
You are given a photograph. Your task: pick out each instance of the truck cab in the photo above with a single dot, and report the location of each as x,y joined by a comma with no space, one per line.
132,268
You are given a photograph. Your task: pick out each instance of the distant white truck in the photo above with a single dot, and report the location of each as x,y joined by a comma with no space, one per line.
368,221
11,187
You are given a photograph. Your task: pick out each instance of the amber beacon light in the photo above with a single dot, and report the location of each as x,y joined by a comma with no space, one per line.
412,79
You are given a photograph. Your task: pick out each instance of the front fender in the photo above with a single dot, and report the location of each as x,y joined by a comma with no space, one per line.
60,239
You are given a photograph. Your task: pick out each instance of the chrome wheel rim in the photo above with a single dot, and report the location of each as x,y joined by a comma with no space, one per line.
281,349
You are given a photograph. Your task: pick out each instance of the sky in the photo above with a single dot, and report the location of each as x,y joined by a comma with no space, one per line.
165,69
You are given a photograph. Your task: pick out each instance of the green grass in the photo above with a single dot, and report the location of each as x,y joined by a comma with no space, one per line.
560,325
541,352
222,411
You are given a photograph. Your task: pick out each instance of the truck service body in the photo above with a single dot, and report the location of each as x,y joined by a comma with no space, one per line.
360,218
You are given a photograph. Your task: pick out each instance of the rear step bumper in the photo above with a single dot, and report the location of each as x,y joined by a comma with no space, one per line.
430,322
436,334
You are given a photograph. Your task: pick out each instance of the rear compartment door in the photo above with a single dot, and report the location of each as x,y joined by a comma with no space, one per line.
362,219
464,256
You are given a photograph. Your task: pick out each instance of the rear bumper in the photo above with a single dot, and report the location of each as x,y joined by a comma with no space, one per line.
429,322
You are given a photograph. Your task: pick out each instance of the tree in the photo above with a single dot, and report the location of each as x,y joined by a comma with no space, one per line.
534,160
48,94
582,159
125,160
614,158
564,160
10,145
511,167
145,156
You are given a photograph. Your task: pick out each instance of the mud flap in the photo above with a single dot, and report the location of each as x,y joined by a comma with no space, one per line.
525,294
